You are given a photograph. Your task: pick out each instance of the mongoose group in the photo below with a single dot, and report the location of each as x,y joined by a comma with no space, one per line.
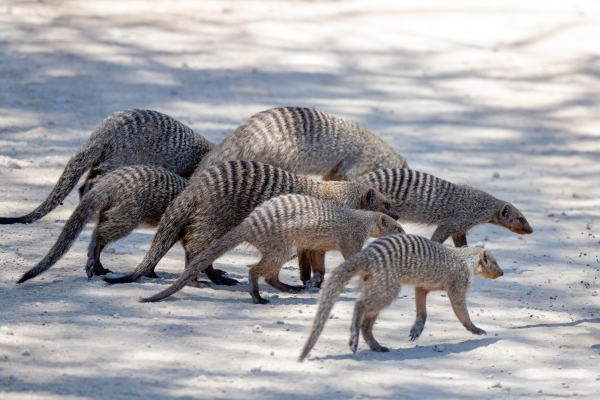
145,167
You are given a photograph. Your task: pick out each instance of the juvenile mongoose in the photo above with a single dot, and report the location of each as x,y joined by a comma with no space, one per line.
391,261
224,195
122,200
131,137
306,141
422,198
284,223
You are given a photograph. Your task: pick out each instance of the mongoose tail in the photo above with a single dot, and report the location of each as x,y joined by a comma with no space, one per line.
76,167
167,234
329,293
88,207
198,264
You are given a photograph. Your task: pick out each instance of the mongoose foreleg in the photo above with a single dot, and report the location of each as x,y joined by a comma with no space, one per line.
459,305
421,303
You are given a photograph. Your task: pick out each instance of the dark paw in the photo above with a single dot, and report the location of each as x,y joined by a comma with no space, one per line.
314,282
219,272
151,275
101,271
415,332
199,284
222,280
353,342
89,268
477,331
260,300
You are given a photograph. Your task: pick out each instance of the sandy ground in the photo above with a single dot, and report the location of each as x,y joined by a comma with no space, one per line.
464,90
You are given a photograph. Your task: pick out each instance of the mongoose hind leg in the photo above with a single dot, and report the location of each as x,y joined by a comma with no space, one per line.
421,303
367,330
459,239
457,298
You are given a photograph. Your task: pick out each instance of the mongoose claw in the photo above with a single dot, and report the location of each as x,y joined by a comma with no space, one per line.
415,332
260,300
219,272
89,268
381,349
477,331
353,343
223,280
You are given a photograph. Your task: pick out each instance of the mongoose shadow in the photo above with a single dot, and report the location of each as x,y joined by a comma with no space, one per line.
224,195
548,325
282,224
425,199
130,137
415,353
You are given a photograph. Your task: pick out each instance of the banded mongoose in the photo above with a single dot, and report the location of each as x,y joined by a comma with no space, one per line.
279,226
306,141
130,137
422,198
222,196
122,200
391,261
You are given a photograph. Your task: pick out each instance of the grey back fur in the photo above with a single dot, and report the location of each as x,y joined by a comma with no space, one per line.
306,141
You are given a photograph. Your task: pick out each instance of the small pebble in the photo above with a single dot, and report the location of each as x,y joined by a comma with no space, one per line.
116,316
246,311
496,175
333,316
148,345
280,322
257,329
256,370
202,378
540,391
25,352
497,384
439,349
490,376
593,357
272,353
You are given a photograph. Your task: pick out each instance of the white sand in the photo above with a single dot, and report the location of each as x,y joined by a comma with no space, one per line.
462,89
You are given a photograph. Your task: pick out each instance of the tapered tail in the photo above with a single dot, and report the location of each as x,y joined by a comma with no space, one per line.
227,242
76,167
167,234
329,293
89,206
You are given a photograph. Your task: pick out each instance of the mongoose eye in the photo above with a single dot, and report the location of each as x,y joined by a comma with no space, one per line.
521,220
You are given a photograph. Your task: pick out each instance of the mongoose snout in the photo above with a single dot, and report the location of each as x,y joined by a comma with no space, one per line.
512,219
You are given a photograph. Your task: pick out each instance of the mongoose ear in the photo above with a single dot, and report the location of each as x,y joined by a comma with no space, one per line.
368,198
484,257
505,210
383,221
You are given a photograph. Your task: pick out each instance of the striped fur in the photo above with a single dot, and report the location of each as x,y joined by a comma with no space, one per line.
284,223
222,196
122,200
391,261
423,198
131,137
306,141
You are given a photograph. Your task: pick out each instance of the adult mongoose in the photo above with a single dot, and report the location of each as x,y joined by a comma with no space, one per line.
121,200
306,141
391,261
279,226
422,198
130,137
222,196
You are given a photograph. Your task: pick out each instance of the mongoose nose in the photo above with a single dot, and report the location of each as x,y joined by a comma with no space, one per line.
499,274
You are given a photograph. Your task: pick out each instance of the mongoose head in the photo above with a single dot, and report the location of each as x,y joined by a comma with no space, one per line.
373,200
387,226
488,266
511,218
